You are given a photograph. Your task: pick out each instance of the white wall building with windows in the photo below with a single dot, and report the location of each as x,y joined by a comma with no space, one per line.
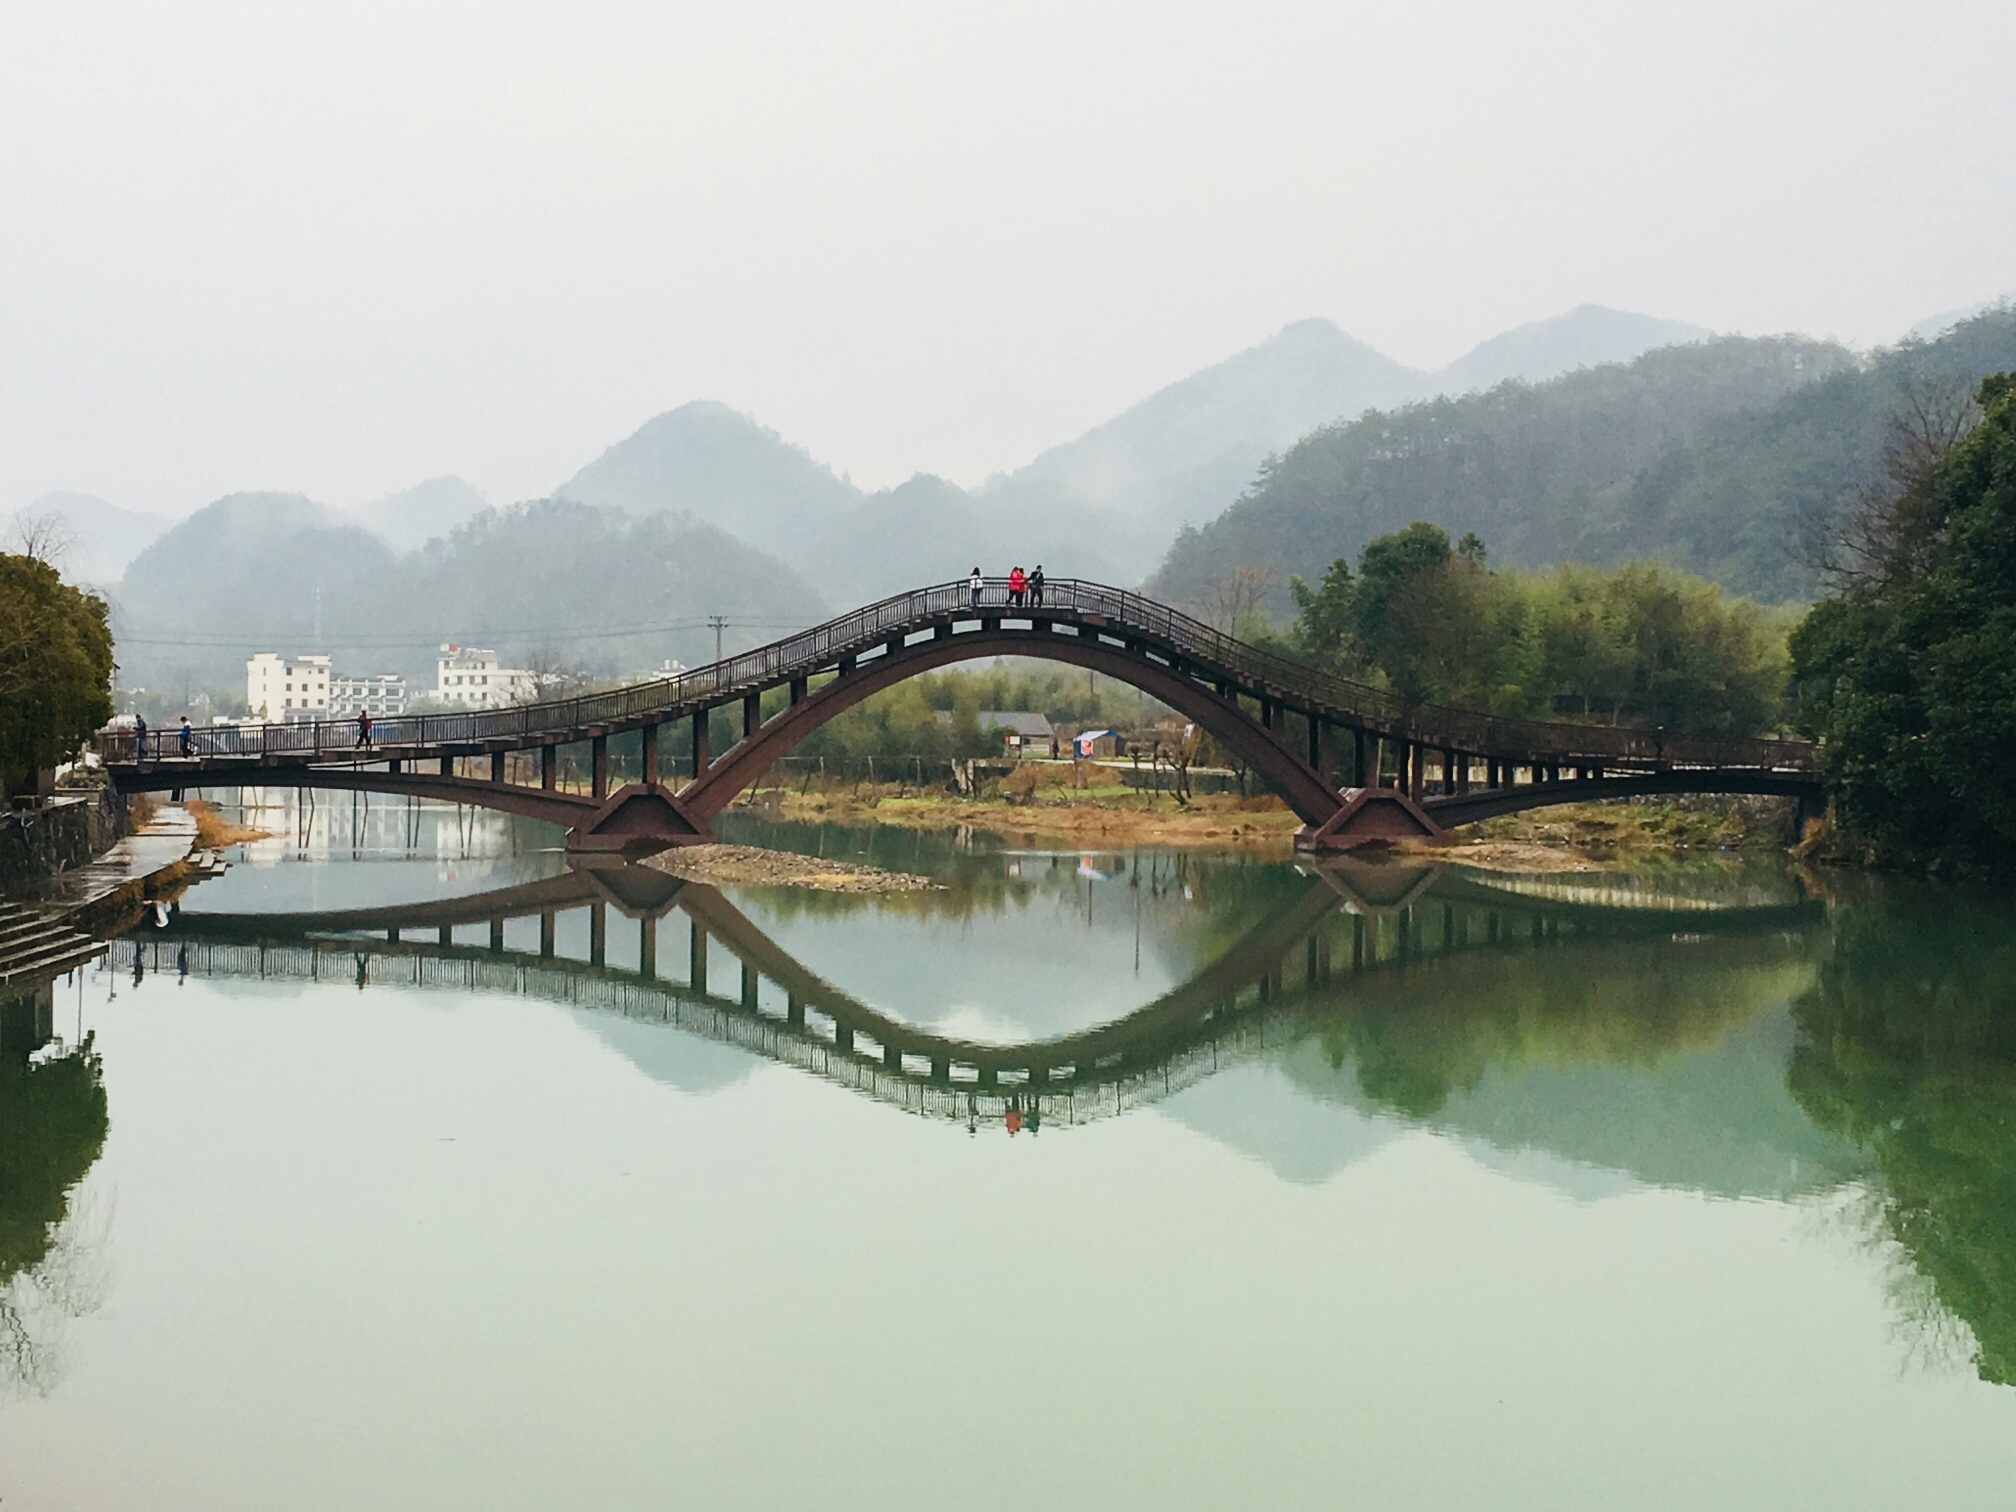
283,691
383,696
470,676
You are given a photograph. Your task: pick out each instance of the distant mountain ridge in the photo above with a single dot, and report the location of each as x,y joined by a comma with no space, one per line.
1104,505
1719,457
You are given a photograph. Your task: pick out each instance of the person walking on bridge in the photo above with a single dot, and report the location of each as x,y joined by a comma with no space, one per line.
1036,587
186,736
139,738
1017,586
364,728
974,583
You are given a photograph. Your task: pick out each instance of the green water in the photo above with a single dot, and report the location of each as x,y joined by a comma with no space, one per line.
1694,1187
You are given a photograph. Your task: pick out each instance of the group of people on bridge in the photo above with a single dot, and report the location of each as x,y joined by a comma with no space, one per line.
1025,589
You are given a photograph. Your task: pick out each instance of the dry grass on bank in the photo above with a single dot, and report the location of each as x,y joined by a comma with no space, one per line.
214,831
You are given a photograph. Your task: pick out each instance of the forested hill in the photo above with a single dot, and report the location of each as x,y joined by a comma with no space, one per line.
569,584
1719,457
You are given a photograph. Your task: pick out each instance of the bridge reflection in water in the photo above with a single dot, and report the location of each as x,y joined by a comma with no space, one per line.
1343,941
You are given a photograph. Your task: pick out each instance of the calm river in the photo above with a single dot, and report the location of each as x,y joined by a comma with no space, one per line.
419,1171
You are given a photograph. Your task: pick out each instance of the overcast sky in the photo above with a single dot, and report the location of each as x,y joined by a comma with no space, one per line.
340,248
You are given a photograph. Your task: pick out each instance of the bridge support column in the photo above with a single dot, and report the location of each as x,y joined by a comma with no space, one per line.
446,935
598,933
696,958
1374,816
647,947
546,923
598,761
794,1010
1316,743
1462,771
749,983
701,759
1362,774
447,766
1448,770
843,1036
649,761
752,715
496,937
1266,713
549,767
1417,784
798,689
496,766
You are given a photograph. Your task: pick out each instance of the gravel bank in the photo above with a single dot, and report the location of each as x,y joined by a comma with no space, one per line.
748,866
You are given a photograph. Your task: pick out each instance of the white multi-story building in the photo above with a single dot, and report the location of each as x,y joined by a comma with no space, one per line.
284,691
470,676
383,696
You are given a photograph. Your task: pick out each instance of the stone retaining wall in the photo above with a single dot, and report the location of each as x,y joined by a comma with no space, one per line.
64,831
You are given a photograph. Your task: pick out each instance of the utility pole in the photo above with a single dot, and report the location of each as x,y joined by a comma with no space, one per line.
720,623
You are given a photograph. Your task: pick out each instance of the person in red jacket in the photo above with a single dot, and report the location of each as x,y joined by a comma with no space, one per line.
1017,586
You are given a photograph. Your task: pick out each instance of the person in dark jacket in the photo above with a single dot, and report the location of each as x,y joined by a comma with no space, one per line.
1036,587
186,736
364,728
139,738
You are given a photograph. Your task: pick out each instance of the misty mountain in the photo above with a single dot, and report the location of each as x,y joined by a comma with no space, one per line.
578,584
1718,457
1587,336
1189,448
1184,453
930,531
409,519
1104,505
104,537
721,468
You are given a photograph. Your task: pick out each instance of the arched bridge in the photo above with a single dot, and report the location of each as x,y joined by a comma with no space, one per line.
1355,763
1351,929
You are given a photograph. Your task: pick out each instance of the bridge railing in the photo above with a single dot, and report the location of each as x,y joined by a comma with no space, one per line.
1120,610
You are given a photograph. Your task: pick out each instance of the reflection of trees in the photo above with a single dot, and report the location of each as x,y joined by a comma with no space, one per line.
1908,1047
1415,1040
52,1128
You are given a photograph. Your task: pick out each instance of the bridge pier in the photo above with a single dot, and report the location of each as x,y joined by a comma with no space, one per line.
649,761
701,760
647,947
598,933
696,962
549,767
752,715
598,762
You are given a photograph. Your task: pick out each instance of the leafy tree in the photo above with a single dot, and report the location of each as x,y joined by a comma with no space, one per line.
1909,674
1638,644
55,668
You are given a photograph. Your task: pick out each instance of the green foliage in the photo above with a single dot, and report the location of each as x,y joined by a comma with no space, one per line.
52,1126
902,722
1909,674
1907,1046
55,668
1721,457
1639,644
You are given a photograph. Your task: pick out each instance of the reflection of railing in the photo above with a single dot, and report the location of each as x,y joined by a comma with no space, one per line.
1295,960
1090,605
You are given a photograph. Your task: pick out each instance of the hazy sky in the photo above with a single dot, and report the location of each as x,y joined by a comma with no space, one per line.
340,248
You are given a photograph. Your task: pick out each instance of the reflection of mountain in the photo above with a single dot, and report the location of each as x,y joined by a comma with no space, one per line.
1666,1065
678,1060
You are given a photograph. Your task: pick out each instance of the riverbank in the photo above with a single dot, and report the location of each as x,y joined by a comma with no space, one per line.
1574,837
